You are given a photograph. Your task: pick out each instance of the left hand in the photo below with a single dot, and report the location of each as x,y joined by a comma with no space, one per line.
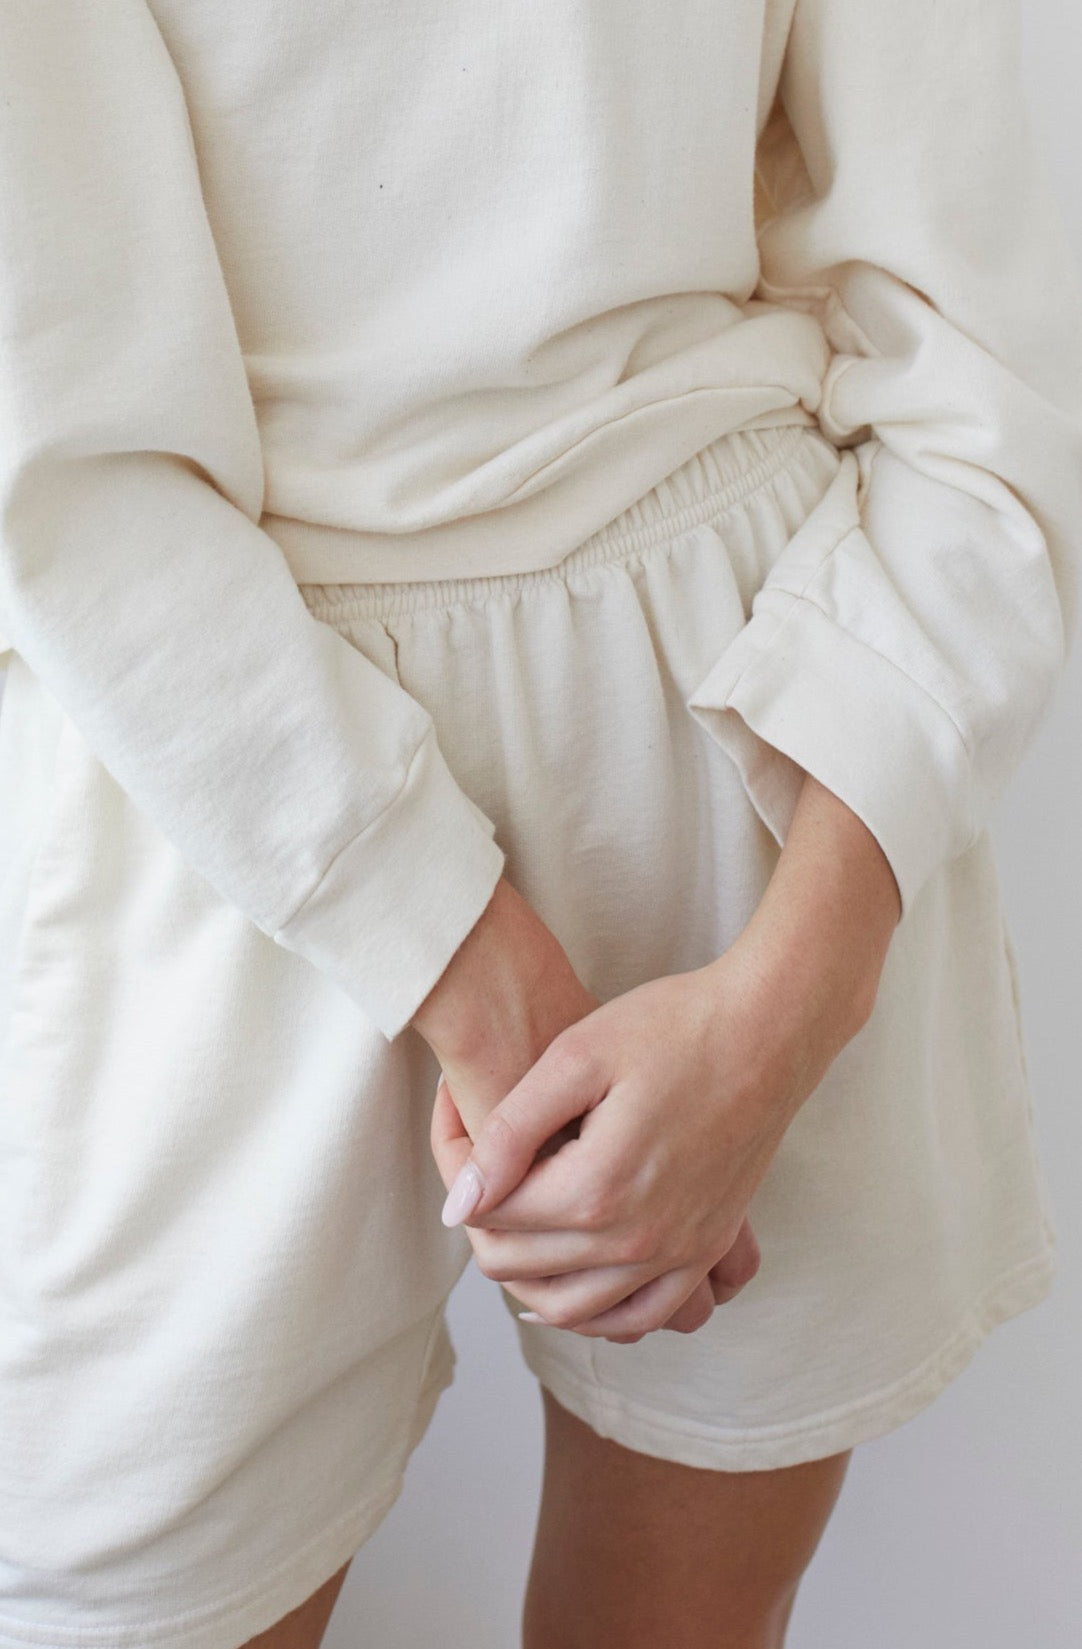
684,1086
452,1147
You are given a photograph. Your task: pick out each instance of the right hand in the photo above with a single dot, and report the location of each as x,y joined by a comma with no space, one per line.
507,992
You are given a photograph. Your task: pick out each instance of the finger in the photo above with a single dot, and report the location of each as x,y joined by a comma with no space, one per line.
578,1296
451,1145
563,1192
639,1311
561,1086
447,1123
510,1256
696,1310
652,1306
736,1268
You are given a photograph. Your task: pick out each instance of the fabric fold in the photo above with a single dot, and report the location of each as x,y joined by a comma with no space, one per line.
905,646
293,772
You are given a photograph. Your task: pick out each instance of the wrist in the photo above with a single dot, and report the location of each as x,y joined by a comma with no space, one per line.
509,973
815,947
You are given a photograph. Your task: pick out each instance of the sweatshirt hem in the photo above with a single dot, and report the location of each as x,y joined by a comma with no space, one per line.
721,478
628,459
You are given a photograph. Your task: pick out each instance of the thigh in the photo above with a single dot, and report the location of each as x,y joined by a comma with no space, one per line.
303,1627
636,1550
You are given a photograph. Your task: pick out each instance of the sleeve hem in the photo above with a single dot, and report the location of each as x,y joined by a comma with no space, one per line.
793,693
398,900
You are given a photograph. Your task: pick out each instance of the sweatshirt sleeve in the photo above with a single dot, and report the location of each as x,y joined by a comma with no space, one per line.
908,638
304,783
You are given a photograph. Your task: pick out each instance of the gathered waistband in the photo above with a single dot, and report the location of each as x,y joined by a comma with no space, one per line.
719,477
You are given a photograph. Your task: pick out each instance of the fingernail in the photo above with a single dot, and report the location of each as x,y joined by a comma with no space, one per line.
529,1317
464,1195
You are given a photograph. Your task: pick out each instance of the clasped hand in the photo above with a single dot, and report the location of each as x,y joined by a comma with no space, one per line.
610,1185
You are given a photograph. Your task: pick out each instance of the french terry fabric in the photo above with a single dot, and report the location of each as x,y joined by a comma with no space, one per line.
222,1267
428,288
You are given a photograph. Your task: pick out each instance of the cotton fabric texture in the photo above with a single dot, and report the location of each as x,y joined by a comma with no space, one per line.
298,301
221,1260
433,289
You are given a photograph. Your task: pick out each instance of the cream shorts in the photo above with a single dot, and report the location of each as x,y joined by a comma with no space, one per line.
222,1268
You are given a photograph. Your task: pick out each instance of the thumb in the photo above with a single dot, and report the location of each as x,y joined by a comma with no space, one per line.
451,1144
560,1087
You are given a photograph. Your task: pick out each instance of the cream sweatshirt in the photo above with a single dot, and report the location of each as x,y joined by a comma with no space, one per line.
428,288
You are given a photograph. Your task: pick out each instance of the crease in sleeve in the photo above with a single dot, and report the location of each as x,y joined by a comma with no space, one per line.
793,693
135,576
396,902
906,664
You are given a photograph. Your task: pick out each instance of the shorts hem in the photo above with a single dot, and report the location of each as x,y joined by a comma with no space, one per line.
231,1621
763,1448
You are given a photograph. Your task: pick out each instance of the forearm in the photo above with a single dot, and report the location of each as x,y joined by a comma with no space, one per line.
508,990
814,950
819,937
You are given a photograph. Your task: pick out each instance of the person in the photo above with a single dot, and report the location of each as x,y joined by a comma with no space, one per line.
531,542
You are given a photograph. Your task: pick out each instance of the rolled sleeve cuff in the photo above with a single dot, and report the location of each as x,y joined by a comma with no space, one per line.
398,900
794,693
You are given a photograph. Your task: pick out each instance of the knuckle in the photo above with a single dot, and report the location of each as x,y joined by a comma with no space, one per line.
645,1320
726,1290
741,1262
747,1272
493,1270
640,1245
565,1314
641,1317
598,1214
597,1207
723,1276
487,1258
632,1248
501,1135
698,1318
732,1259
568,1059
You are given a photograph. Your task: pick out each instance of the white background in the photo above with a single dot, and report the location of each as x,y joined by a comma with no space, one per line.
963,1528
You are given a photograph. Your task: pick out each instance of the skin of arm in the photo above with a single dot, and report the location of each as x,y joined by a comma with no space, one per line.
691,1079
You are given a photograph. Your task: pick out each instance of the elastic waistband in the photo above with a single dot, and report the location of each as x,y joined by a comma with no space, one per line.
712,481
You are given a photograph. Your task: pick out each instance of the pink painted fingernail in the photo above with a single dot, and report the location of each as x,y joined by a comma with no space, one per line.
464,1195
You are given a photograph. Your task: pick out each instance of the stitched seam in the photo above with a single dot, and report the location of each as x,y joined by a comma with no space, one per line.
326,871
810,601
965,1334
169,1627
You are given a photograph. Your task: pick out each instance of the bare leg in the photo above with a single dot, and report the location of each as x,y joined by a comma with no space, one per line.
303,1627
640,1552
